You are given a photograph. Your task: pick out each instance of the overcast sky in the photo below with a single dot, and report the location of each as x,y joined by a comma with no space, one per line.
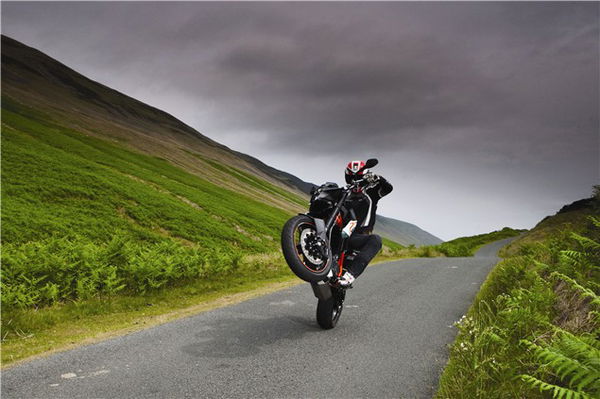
482,115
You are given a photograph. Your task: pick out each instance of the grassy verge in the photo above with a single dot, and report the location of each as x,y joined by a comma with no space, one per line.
459,247
533,329
467,246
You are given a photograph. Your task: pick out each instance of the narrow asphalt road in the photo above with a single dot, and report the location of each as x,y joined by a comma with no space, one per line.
391,341
493,248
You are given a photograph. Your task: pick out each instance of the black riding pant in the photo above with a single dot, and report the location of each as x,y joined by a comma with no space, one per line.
368,245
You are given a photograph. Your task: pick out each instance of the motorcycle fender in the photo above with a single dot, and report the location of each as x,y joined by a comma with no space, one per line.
321,290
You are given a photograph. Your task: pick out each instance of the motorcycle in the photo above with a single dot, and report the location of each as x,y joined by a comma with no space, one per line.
315,246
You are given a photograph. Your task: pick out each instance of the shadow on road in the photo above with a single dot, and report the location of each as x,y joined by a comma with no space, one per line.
242,337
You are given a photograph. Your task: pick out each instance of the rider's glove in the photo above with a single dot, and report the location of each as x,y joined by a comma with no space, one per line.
372,178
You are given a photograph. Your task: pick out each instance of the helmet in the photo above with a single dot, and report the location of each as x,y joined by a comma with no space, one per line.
354,171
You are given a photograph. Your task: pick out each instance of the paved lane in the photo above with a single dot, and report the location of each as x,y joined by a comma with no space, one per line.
390,342
490,250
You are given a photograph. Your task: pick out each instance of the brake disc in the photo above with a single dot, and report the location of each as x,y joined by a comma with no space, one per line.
309,244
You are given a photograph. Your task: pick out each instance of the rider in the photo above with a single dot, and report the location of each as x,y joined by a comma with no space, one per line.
364,204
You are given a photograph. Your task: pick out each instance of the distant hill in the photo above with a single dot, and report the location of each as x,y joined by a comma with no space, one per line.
36,85
404,233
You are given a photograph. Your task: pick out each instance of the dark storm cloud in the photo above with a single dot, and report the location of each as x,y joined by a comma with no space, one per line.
318,73
469,88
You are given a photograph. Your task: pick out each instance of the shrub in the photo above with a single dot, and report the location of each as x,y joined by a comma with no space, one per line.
59,269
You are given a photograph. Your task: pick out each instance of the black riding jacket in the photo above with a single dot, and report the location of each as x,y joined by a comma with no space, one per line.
364,205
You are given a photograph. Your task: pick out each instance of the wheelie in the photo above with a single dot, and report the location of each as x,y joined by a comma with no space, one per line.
332,244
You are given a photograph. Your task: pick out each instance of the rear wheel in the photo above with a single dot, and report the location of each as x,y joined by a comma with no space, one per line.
303,249
329,311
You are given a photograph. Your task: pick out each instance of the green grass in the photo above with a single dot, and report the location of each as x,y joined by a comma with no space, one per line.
83,217
544,230
254,181
533,328
392,245
464,246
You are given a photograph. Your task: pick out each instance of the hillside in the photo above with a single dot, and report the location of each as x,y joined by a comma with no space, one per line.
571,217
533,328
403,232
32,80
94,229
91,174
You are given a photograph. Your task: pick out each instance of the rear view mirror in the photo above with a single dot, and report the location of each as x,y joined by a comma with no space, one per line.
370,163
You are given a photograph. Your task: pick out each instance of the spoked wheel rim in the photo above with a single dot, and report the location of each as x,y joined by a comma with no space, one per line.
305,242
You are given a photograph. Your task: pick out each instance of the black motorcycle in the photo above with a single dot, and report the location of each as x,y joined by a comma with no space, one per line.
315,244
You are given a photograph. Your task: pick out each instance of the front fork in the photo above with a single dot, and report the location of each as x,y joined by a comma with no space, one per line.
323,289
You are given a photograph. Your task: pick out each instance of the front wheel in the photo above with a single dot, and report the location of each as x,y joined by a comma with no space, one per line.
303,249
329,311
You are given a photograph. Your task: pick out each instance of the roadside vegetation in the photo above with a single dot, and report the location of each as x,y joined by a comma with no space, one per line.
534,328
467,246
459,247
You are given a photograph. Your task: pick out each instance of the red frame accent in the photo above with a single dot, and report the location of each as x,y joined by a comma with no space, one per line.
341,263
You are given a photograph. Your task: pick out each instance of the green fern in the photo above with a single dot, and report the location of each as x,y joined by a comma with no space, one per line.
595,299
582,262
595,221
576,259
586,242
558,392
574,361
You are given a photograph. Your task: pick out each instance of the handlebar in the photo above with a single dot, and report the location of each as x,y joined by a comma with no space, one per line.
360,183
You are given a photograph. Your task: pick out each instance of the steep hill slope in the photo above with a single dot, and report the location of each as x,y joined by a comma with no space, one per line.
31,80
88,208
403,232
571,217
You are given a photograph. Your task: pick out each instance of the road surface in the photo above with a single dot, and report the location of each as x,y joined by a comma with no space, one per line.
493,248
391,341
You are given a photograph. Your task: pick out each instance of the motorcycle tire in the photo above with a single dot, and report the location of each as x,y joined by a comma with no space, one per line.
297,256
329,311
